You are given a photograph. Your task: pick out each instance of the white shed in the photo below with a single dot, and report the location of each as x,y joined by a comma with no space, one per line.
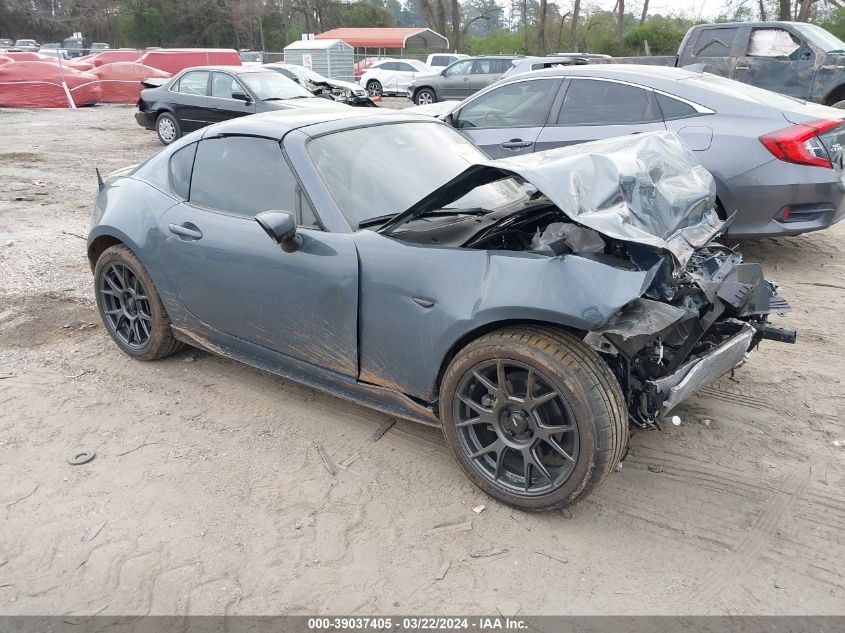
330,58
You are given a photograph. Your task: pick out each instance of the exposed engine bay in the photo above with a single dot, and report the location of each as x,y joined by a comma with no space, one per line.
666,305
715,307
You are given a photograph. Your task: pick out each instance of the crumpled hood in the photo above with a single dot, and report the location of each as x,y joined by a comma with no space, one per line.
644,188
345,85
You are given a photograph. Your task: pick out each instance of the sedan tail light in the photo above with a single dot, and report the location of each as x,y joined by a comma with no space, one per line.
802,144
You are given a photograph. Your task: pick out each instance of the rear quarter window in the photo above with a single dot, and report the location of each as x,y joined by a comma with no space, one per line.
674,109
181,166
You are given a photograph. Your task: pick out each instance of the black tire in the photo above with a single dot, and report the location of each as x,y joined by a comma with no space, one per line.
152,338
588,399
167,128
374,88
424,96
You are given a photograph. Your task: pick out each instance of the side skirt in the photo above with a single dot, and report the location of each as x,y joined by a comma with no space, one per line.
379,398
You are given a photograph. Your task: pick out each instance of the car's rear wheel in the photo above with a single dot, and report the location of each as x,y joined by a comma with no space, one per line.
425,96
534,417
374,88
167,128
130,306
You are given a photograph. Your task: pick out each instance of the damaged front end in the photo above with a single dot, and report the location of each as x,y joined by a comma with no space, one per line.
639,203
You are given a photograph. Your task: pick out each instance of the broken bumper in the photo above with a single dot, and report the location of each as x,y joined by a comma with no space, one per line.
702,371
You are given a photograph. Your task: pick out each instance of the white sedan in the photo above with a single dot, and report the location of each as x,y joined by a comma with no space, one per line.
391,76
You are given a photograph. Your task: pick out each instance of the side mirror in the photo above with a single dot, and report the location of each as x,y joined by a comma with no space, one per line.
241,96
281,227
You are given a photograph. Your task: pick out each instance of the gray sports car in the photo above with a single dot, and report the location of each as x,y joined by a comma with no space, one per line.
532,307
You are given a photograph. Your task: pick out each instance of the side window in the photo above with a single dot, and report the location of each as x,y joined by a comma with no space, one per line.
773,43
460,68
715,42
482,67
406,68
501,66
194,83
181,165
223,85
674,109
589,102
388,66
520,104
307,217
242,175
439,60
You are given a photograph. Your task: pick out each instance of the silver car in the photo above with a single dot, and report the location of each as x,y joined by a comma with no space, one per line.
459,80
777,161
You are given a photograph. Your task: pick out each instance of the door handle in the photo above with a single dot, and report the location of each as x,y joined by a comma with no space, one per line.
742,67
515,143
186,230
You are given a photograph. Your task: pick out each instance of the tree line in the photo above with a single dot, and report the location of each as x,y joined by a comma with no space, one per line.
472,26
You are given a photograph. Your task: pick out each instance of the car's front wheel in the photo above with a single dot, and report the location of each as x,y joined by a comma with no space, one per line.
425,96
374,88
167,128
534,417
130,306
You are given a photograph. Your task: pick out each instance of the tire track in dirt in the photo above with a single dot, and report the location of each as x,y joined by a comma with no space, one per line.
726,576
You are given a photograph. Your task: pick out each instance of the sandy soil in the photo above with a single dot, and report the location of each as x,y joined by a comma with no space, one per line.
208,493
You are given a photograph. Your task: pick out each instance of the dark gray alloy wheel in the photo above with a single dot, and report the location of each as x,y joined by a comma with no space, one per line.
130,306
534,417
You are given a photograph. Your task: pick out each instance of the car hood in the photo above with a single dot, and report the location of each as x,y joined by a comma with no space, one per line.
437,110
644,188
425,74
334,83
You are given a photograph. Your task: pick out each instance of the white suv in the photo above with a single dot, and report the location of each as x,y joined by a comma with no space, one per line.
391,76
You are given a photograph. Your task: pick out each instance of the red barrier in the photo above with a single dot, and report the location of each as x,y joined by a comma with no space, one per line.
26,84
120,82
173,60
110,57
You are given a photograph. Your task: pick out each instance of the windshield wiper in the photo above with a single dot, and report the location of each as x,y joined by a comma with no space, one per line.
457,211
382,219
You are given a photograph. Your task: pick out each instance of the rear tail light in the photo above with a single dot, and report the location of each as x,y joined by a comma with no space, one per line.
801,143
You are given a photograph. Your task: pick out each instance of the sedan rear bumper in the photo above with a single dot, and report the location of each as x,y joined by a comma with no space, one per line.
781,198
146,119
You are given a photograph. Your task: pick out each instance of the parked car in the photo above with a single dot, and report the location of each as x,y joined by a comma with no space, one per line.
96,47
27,46
251,58
391,76
331,260
528,64
361,66
441,60
459,80
75,47
6,43
794,58
777,161
319,86
197,97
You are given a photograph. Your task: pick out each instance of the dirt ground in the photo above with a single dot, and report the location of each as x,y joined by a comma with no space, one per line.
208,494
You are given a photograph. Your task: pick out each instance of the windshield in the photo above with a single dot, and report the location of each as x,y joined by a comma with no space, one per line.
821,38
25,42
271,85
250,57
380,171
740,90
